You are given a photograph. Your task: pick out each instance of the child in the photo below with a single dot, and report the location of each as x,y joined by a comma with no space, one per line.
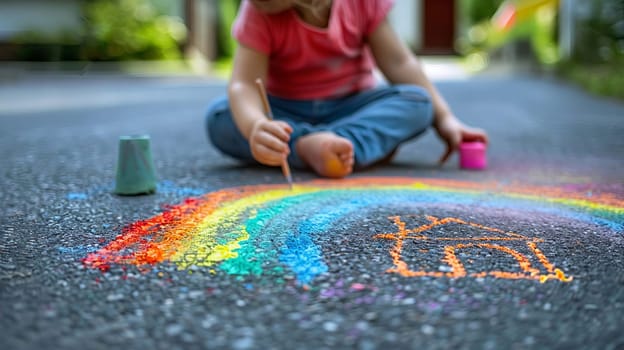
317,59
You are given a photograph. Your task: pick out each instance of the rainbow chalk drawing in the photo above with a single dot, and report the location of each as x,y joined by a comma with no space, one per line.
271,230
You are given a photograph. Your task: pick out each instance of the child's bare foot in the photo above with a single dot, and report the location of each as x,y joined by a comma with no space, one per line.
328,154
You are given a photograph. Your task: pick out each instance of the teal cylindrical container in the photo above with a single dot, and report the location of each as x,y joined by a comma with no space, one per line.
135,167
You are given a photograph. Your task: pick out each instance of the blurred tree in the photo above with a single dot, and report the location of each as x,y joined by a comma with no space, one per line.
130,29
227,12
600,36
597,61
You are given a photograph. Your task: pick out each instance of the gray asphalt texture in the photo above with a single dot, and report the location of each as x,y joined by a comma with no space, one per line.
59,138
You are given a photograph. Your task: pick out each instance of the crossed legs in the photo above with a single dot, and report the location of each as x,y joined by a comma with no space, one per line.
346,134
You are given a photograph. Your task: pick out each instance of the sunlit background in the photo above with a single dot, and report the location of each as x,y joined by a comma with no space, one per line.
582,40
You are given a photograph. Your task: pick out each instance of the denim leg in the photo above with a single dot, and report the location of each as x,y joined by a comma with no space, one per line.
375,121
380,120
223,132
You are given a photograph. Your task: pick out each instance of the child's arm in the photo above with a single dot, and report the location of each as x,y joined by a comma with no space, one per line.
400,66
268,139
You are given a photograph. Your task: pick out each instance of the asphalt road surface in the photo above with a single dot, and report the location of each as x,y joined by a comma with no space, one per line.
528,253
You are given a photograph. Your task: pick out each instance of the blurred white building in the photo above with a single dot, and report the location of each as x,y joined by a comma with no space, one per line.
17,16
427,26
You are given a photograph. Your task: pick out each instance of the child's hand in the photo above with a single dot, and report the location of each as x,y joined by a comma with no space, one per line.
454,132
269,141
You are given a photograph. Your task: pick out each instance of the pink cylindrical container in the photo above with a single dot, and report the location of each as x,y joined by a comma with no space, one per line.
472,155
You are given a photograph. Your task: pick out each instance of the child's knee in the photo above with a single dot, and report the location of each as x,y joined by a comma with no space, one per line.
216,109
419,104
217,118
415,95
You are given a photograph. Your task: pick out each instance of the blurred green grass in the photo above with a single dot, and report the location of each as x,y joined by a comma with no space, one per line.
605,79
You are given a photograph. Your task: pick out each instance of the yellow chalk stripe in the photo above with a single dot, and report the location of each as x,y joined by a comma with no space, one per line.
203,243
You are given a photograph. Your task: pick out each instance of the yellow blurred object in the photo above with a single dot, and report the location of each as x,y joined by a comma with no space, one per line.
512,12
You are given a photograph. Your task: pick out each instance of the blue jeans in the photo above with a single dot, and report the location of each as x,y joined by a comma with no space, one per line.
376,121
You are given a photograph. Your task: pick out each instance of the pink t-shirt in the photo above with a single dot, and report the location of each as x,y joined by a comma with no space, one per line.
307,62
